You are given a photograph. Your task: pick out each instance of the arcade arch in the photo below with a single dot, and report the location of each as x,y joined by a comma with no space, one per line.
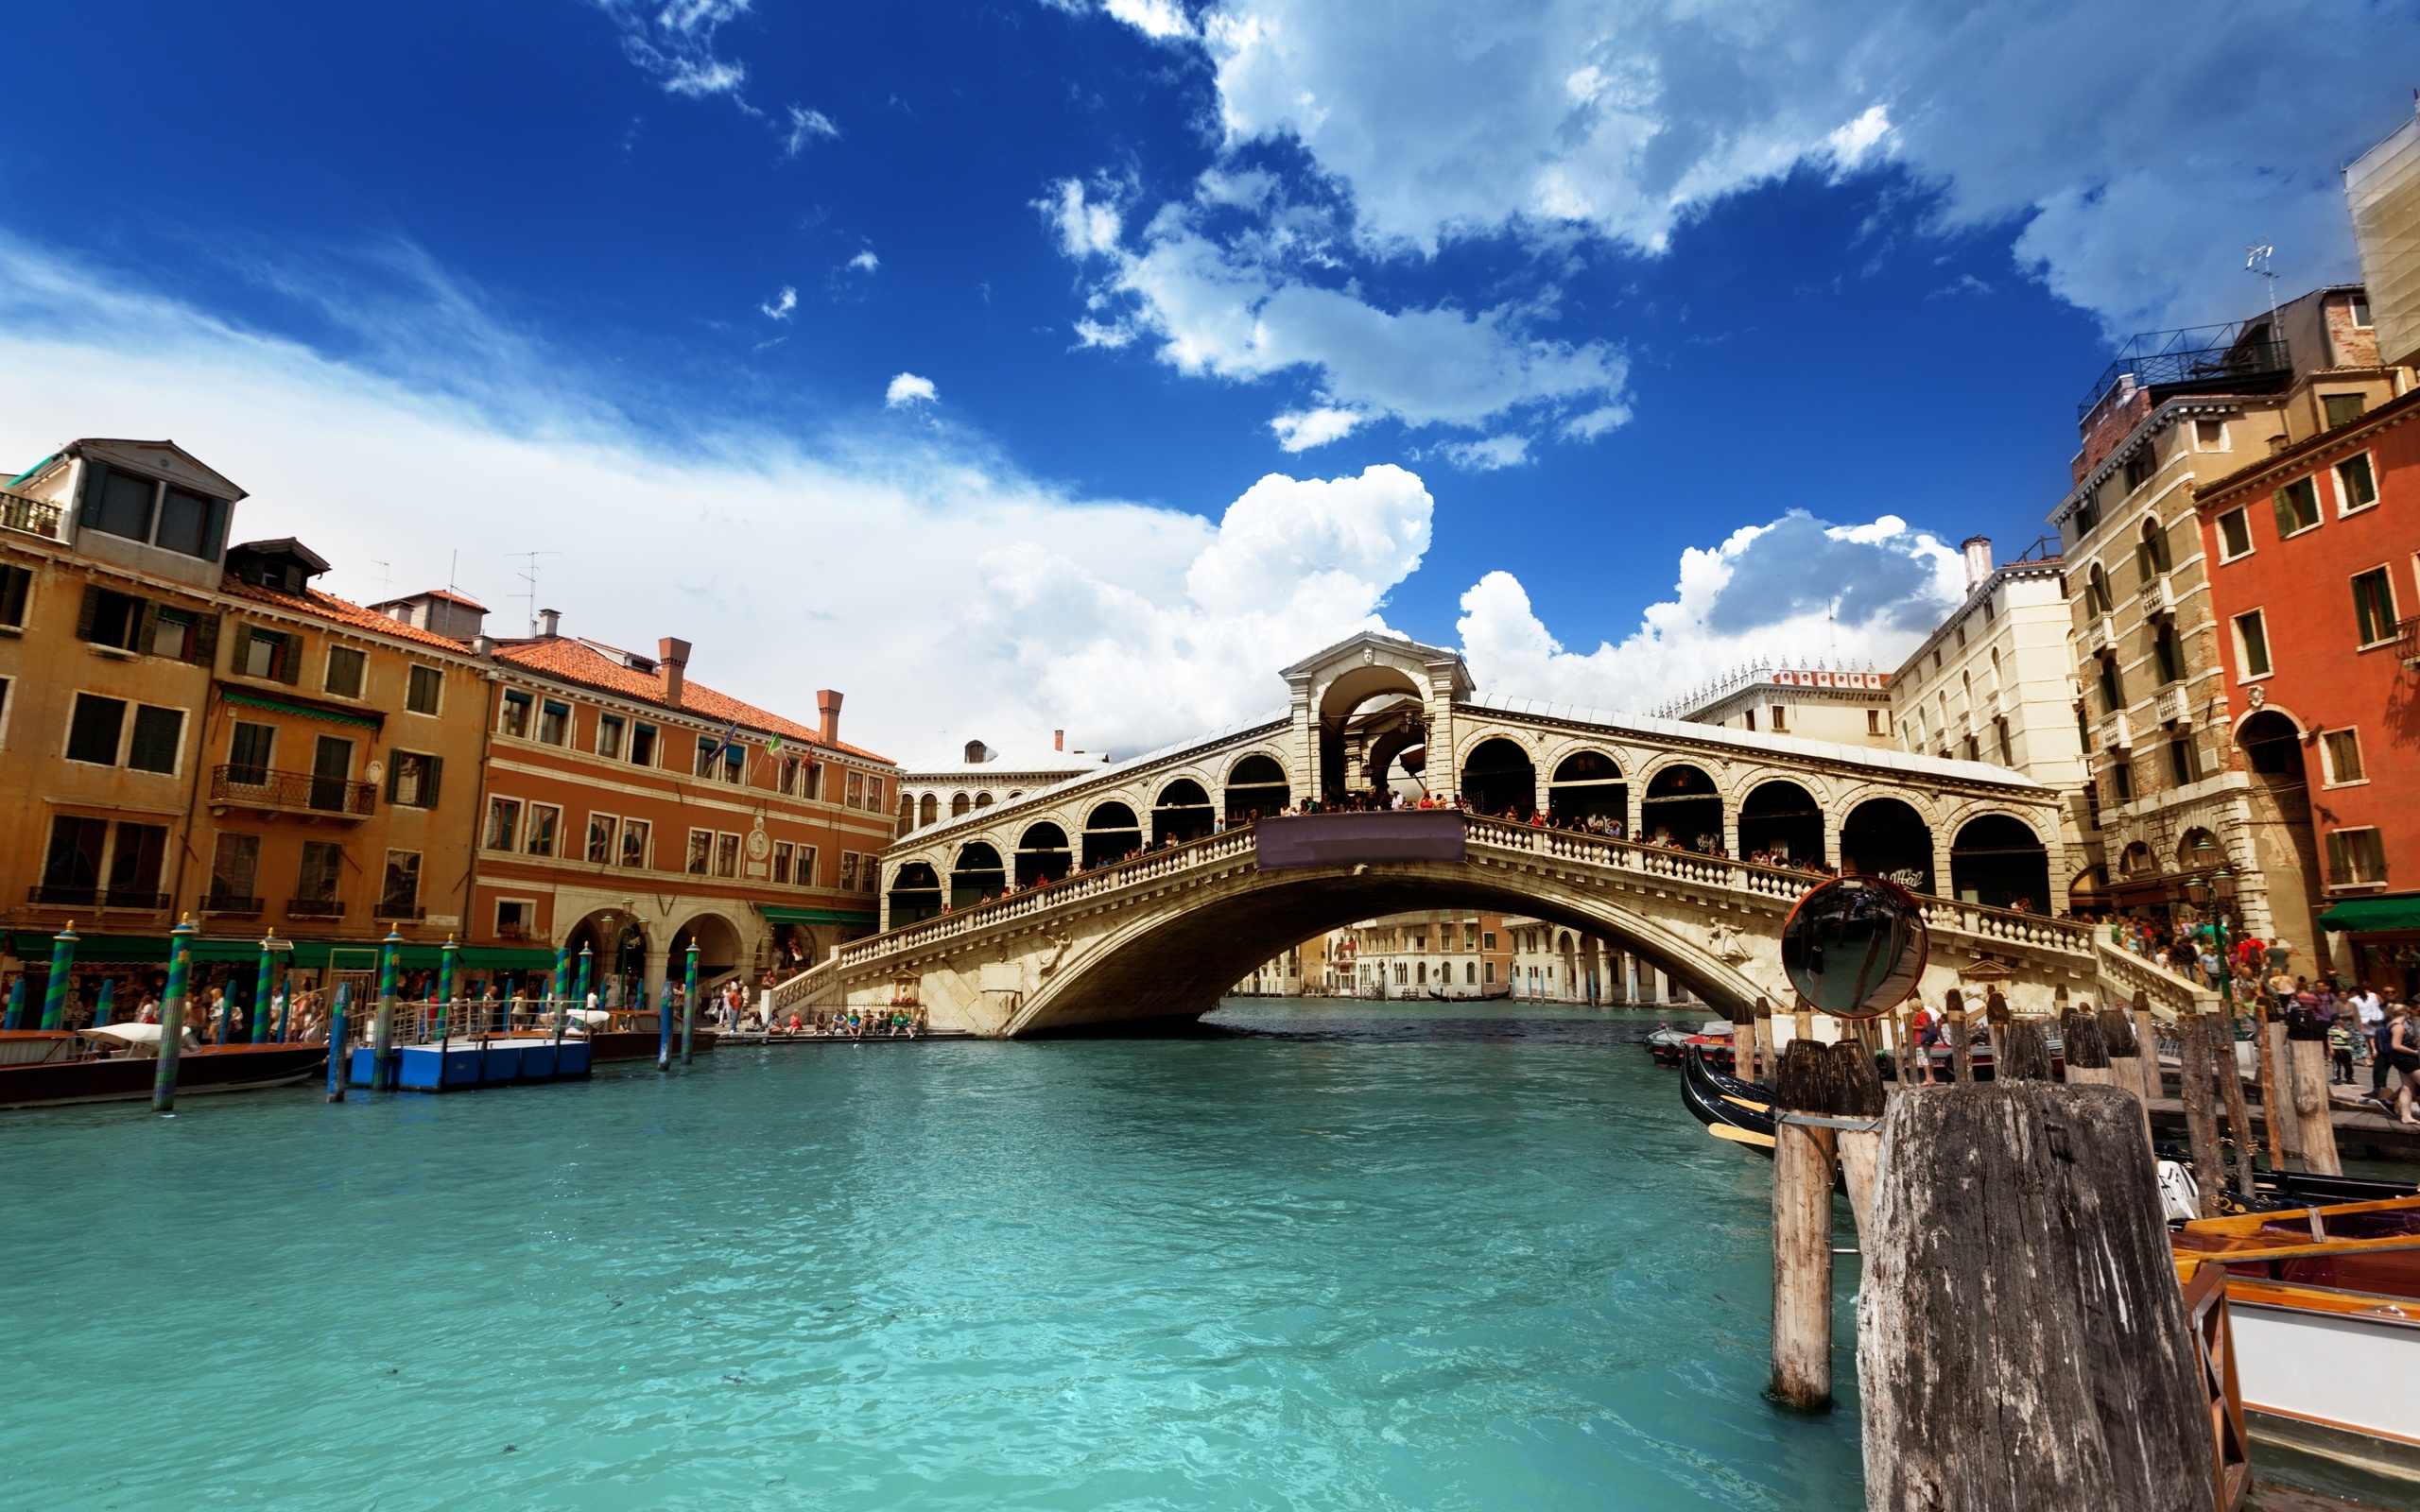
915,894
1999,862
1500,778
1783,819
976,875
1256,785
1181,813
1683,807
1886,838
1043,854
1111,830
1588,786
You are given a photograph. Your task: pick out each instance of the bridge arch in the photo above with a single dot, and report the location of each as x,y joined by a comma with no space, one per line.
1111,830
1256,783
915,894
1182,813
1682,805
976,874
1501,777
1997,860
1043,854
1588,785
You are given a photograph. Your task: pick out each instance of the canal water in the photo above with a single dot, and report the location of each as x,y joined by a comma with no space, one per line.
1334,1254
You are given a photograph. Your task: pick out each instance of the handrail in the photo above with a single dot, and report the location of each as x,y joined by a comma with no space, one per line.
2166,991
301,791
35,517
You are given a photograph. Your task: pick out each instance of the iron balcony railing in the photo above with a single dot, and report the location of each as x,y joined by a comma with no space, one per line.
313,908
2242,351
220,902
408,912
2407,641
32,516
259,787
50,897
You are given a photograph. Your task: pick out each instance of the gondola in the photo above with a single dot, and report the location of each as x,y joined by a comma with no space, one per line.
1741,1111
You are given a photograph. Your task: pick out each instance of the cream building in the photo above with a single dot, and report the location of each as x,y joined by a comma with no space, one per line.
1848,706
932,791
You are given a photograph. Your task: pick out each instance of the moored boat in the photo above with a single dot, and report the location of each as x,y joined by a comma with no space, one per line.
1741,1111
117,1064
1668,1044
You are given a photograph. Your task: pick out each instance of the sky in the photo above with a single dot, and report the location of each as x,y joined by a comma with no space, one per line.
1077,364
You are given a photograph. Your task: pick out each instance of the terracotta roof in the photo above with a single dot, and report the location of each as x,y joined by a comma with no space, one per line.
578,661
329,607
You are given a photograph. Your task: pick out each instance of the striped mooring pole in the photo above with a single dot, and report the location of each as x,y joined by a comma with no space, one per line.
16,1015
172,1016
382,1053
107,1004
265,986
689,1002
664,1033
338,1070
555,985
63,965
579,994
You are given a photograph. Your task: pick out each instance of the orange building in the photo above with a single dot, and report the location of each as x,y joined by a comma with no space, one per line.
630,811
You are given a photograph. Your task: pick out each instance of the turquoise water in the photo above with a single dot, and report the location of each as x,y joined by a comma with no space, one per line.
1349,1255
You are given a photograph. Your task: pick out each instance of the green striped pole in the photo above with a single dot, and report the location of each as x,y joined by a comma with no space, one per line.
340,1066
555,987
382,1054
265,986
16,1006
448,953
63,965
689,1002
579,998
108,1003
172,1016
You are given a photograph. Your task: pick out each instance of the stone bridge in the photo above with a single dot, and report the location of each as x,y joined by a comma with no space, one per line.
1156,901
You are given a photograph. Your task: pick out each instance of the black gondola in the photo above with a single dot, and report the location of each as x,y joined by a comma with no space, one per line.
1726,1103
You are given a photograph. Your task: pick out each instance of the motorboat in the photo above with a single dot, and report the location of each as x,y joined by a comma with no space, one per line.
1668,1044
118,1062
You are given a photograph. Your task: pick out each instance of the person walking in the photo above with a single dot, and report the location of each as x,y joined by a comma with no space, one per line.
2403,1058
2373,1029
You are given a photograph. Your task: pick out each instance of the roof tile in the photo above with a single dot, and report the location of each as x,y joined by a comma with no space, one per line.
577,661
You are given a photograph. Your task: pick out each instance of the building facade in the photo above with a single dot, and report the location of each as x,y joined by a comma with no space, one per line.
1434,953
2316,591
931,791
1850,705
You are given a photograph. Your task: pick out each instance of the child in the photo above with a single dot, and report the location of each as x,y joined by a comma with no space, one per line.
2339,1052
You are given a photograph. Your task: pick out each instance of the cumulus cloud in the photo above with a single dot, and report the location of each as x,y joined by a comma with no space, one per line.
1160,19
781,305
1301,430
1795,587
907,389
805,127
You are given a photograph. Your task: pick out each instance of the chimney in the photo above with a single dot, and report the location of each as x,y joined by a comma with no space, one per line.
827,714
547,621
1979,560
672,657
1057,740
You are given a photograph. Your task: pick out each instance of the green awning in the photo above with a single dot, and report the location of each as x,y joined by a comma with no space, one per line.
781,913
2373,913
307,711
313,955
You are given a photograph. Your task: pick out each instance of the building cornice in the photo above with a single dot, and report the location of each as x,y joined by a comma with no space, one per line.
2270,471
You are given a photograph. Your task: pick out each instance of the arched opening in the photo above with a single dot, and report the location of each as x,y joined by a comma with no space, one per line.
1182,813
1781,822
2272,747
2097,591
2198,851
1256,788
1885,837
1043,854
977,875
982,801
1498,779
915,894
1681,808
959,804
1111,832
1588,786
618,957
718,952
2134,863
1344,726
1996,861
975,753
929,810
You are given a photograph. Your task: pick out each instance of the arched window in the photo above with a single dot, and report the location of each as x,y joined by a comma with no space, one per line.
959,804
1780,822
1683,808
1498,779
2097,596
1111,832
927,810
1256,786
1041,853
976,752
982,801
1996,861
977,876
1181,813
915,893
1588,786
2151,553
1885,837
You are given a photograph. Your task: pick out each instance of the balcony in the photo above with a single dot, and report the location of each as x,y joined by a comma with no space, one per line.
257,787
130,898
2115,734
228,904
32,516
2157,598
313,908
2170,707
2099,635
401,912
2407,641
2245,357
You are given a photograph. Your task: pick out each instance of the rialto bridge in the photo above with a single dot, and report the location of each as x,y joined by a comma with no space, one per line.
1167,878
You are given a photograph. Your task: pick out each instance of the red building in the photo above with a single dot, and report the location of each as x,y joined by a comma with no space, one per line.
2315,591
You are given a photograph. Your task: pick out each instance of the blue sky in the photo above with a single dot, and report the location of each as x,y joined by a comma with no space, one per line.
1044,363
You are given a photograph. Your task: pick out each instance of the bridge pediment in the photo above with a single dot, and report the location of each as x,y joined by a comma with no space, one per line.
1364,665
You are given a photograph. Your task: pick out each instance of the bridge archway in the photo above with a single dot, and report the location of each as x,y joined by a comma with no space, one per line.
1885,837
1255,785
1043,854
1498,777
976,875
1999,862
1782,817
1588,786
1181,813
1111,830
1682,806
915,894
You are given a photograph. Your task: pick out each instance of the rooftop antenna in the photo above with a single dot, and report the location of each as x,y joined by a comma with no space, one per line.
2255,262
385,581
530,575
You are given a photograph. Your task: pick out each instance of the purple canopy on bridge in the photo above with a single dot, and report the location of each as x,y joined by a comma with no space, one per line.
1342,839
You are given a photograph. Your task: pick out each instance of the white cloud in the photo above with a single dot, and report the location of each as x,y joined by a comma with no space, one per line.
907,389
673,42
780,307
1795,589
865,262
806,125
1301,430
1489,454
1159,20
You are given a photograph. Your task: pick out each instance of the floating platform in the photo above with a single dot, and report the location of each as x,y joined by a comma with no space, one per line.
472,1063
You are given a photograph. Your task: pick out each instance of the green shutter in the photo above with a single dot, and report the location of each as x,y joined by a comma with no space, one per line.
293,670
394,773
91,611
146,627
205,640
96,479
428,788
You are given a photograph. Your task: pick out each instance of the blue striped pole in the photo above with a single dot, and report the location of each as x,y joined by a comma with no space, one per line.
102,1008
265,986
689,1002
172,1016
664,1033
555,987
284,1006
339,1071
382,1054
16,1014
579,998
63,965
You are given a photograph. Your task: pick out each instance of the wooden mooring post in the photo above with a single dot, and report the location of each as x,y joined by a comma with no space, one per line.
1803,1154
2022,1343
2306,1065
2228,1063
1743,1042
1961,1049
2193,1033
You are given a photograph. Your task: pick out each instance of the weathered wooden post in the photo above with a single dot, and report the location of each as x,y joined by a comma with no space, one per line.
2230,1067
2022,1343
2024,1051
2201,1117
1803,1083
1744,1041
1961,1050
1764,1041
2082,1049
2306,1060
2133,1061
2147,1030
2276,1084
172,1016
1857,1083
1996,1019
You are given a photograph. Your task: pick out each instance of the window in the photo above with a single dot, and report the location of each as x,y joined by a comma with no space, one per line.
234,872
2343,409
735,762
848,872
554,722
1487,941
315,881
74,860
2356,487
634,834
93,729
2087,517
2097,598
1781,720
545,819
2235,536
159,733
802,873
2297,507
609,735
111,619
331,773
504,823
726,856
423,686
2121,781
2008,749
960,804
412,780
2164,652
16,583
1489,973
514,720
603,829
270,653
2113,687
2151,553
248,752
119,504
786,778
857,792
2343,750
1748,721
346,667
2374,607
180,635
2252,646
1873,721
515,917
2210,434
708,749
873,795
135,864
189,522
783,854
2362,311
2182,767
2356,858
702,850
2091,806
2141,466
641,745
399,893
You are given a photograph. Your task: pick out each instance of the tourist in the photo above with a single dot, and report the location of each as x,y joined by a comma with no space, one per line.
2339,1054
2403,1058
2372,1014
